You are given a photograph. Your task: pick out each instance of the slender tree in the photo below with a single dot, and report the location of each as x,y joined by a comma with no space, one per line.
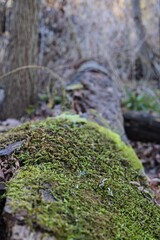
146,56
19,90
2,17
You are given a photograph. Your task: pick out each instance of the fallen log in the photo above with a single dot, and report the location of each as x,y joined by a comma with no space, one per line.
77,179
93,92
141,126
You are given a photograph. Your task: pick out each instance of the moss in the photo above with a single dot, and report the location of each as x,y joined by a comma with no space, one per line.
75,182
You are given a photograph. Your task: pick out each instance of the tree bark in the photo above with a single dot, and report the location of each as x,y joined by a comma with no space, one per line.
20,89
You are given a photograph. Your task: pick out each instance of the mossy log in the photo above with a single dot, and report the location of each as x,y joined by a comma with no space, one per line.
77,180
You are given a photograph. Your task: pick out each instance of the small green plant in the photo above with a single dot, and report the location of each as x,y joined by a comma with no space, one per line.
147,100
31,109
45,97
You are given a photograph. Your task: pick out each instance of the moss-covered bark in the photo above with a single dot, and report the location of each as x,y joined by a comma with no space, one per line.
79,181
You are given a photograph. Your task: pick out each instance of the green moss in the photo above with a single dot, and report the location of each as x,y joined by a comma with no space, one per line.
75,182
127,150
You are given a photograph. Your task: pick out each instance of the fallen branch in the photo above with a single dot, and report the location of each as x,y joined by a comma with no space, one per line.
140,126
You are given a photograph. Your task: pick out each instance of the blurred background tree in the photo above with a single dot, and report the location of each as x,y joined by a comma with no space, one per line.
2,16
19,90
146,57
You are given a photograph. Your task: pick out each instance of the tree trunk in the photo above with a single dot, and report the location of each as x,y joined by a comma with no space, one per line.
2,17
19,90
146,58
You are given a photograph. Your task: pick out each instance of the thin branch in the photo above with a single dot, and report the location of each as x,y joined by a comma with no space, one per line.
52,73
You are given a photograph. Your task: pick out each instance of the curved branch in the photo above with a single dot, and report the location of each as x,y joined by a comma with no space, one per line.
52,73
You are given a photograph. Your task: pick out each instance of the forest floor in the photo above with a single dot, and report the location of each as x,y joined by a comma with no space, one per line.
148,153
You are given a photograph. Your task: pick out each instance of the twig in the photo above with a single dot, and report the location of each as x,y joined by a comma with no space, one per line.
52,73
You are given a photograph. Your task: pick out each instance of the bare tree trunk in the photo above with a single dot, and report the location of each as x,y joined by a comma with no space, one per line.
146,55
19,90
2,17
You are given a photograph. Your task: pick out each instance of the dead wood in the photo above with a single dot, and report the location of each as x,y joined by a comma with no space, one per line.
93,92
140,126
97,98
